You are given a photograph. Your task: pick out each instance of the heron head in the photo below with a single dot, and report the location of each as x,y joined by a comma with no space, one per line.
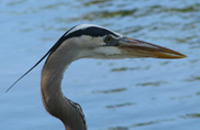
99,42
93,41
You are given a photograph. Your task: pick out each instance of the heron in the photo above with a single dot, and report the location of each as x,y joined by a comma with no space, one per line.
86,41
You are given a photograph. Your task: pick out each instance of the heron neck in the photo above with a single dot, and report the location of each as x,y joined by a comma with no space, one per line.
53,99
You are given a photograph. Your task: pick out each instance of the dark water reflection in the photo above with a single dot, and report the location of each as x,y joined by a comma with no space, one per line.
130,94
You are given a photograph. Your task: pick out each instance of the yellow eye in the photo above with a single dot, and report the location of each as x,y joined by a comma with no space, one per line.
107,39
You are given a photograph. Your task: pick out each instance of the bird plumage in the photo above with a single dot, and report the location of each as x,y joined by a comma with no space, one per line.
86,41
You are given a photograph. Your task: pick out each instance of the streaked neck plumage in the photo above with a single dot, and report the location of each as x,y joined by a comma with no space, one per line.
55,102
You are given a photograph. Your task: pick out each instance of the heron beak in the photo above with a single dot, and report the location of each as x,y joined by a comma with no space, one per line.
137,48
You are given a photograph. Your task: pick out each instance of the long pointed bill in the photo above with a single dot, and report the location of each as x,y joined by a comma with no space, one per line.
137,48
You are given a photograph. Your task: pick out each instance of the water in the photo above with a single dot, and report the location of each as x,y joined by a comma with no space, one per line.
130,94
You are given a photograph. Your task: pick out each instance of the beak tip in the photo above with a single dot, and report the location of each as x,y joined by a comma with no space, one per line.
181,56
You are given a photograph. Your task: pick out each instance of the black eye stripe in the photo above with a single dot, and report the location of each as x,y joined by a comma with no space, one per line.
91,31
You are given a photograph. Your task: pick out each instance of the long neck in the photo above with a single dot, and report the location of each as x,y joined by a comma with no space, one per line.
53,99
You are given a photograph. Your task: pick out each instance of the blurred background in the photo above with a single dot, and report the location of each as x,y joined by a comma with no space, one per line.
130,94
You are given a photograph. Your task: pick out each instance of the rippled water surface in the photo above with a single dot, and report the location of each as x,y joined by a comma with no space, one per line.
130,94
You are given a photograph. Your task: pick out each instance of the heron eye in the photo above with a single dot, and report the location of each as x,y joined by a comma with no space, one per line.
107,39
